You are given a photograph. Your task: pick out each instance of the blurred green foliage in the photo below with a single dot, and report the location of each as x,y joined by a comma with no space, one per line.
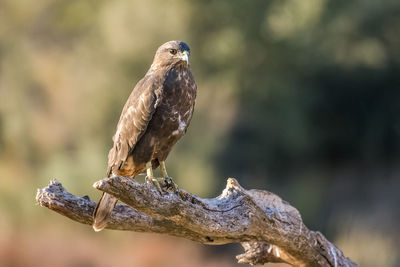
297,97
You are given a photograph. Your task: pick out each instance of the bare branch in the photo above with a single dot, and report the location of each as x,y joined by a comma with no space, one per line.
269,229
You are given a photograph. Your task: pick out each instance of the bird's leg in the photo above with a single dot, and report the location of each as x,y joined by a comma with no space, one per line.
168,180
150,178
163,169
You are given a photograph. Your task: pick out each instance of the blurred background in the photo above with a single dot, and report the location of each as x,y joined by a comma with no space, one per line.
301,98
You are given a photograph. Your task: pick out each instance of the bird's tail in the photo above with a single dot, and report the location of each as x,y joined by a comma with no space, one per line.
103,211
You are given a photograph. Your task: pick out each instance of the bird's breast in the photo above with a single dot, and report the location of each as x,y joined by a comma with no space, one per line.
176,107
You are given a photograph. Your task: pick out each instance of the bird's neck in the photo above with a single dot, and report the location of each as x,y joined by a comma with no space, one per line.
162,69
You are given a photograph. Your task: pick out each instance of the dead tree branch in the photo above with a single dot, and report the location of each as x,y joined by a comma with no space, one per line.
269,229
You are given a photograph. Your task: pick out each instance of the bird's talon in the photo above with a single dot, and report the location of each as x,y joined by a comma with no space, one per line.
155,182
170,184
166,181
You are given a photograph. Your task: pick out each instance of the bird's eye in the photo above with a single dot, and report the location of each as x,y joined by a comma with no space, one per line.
173,51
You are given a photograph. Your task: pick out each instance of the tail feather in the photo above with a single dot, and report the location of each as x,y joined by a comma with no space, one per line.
103,211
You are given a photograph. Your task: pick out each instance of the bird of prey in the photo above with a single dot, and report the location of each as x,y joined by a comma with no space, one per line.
155,116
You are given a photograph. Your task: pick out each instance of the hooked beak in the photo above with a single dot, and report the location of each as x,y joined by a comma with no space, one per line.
185,56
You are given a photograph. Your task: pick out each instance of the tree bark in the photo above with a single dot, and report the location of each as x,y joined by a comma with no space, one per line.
269,228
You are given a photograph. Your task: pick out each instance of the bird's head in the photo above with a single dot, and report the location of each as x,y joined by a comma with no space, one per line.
171,53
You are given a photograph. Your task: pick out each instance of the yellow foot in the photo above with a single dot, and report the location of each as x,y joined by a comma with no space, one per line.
165,181
160,183
168,180
156,182
150,178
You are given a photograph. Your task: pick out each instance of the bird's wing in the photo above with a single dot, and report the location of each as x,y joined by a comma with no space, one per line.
135,117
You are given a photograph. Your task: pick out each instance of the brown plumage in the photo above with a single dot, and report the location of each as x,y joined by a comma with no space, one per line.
155,116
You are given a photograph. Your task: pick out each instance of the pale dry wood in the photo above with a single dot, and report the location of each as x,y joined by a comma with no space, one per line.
269,229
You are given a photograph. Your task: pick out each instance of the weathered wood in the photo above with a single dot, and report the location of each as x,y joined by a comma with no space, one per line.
270,229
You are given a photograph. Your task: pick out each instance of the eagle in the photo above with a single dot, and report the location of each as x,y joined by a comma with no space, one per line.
156,115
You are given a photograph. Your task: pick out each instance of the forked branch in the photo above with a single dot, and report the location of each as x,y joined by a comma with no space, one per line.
269,229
